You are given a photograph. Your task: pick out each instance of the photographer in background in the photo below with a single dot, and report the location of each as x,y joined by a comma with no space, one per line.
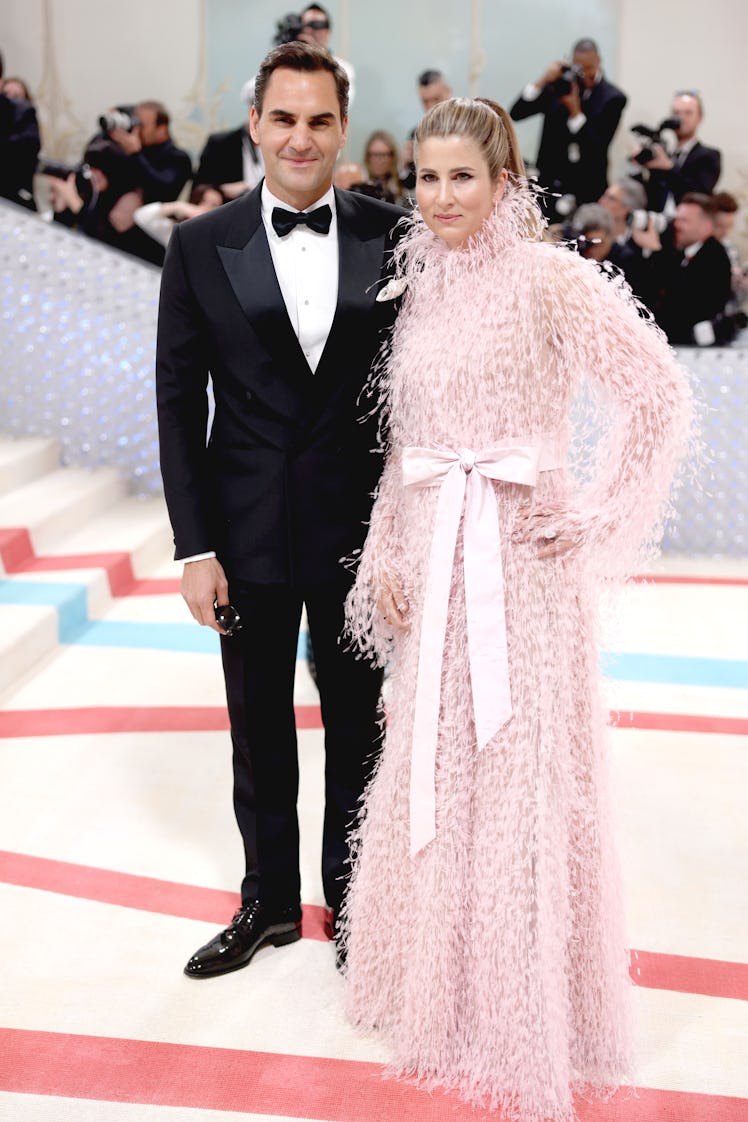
581,111
316,27
230,160
694,275
97,196
160,168
690,167
19,142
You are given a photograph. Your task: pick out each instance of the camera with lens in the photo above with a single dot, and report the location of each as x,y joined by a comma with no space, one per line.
640,219
654,136
288,29
567,79
123,117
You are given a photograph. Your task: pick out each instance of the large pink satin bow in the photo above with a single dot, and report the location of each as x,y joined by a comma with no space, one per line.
464,478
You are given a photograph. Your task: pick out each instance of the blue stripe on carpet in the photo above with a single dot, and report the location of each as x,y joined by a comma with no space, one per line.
70,602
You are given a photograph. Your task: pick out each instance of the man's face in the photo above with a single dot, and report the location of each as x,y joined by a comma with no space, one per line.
148,131
315,27
614,203
588,63
692,225
687,109
300,134
434,94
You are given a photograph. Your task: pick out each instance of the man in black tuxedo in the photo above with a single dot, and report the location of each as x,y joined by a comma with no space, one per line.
273,295
691,168
581,116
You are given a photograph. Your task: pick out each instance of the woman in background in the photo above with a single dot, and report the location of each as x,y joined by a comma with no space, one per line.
483,924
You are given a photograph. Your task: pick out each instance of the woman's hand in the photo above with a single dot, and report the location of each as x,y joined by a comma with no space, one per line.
393,603
551,531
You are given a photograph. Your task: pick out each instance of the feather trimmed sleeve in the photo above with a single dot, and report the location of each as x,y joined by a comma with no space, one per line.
640,412
381,555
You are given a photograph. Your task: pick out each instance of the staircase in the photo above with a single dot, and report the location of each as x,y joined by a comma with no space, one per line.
72,543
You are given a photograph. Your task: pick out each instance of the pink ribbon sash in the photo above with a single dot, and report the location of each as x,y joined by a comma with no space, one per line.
464,481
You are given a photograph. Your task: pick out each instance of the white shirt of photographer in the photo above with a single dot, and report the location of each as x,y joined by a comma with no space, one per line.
306,265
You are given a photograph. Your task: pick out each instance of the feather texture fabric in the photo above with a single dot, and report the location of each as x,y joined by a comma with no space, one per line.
494,960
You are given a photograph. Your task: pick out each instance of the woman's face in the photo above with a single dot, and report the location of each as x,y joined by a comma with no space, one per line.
379,159
454,190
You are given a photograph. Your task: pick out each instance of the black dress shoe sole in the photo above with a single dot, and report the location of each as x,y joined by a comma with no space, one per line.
276,935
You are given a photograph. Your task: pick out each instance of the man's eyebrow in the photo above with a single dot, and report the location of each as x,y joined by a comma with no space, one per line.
329,116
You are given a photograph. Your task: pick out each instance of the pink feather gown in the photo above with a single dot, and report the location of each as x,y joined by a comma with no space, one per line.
493,960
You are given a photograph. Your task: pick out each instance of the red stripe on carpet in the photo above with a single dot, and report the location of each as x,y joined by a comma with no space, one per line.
203,1078
680,722
710,977
126,890
662,578
113,719
182,718
683,974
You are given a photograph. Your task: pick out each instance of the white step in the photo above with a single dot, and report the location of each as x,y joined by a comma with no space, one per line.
60,502
26,459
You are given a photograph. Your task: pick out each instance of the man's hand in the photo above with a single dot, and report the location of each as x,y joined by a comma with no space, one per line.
64,194
203,585
647,239
554,71
121,215
129,142
660,161
393,603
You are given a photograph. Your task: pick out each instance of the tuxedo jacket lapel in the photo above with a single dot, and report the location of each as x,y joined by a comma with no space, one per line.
359,263
251,274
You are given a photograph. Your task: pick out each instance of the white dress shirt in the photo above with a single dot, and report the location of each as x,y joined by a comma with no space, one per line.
306,265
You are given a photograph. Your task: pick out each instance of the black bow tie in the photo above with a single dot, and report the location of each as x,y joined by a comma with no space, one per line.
285,220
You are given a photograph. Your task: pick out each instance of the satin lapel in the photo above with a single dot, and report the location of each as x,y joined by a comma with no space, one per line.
359,265
252,276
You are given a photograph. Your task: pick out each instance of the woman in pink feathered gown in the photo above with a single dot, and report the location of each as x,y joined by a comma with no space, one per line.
483,923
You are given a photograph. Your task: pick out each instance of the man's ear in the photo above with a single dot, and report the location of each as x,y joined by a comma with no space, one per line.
253,122
344,128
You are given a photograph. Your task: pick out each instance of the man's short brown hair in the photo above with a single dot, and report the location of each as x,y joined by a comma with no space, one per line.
301,56
704,202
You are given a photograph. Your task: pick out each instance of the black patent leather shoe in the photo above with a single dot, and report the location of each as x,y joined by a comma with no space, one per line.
254,926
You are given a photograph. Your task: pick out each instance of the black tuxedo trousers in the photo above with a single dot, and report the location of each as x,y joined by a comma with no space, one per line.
281,491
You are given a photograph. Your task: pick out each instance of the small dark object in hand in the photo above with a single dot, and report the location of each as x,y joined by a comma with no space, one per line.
228,618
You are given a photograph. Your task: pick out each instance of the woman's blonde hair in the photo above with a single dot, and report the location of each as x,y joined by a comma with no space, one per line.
479,119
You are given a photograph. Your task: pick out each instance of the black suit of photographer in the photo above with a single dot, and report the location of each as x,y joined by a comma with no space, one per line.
19,149
587,177
222,158
698,171
691,289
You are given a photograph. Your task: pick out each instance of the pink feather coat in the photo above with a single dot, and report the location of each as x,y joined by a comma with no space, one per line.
494,959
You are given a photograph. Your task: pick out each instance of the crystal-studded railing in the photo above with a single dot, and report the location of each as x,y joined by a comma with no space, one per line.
77,347
77,352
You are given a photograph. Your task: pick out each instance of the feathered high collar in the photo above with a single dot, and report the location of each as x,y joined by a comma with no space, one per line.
515,218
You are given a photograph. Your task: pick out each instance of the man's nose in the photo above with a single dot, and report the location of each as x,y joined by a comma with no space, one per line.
301,138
